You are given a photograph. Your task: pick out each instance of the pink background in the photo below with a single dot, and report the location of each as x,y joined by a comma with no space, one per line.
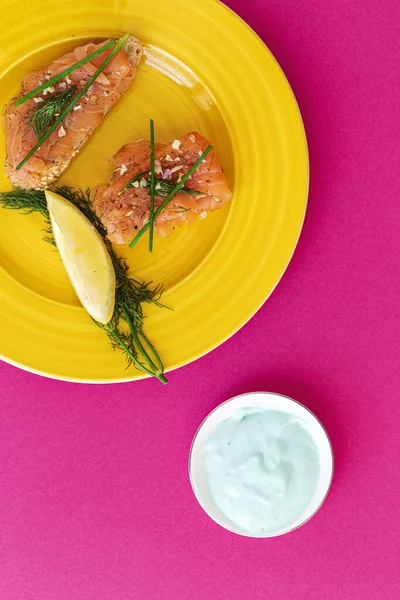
95,501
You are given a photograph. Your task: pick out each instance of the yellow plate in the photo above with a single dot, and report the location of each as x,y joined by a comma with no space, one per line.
204,70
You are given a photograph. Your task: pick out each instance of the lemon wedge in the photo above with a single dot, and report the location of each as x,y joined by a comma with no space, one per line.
85,257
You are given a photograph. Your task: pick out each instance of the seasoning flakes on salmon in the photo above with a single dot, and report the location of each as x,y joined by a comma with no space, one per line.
55,154
125,210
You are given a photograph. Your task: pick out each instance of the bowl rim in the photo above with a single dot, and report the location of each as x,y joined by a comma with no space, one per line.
267,394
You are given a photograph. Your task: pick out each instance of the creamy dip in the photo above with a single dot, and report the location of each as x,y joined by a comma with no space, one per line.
262,468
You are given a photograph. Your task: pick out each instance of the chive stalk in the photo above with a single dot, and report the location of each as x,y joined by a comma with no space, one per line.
151,221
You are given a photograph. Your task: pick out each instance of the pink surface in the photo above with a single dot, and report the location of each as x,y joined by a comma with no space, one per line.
95,501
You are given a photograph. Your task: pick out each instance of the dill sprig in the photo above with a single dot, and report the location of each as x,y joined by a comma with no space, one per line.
27,202
78,96
44,114
164,187
125,330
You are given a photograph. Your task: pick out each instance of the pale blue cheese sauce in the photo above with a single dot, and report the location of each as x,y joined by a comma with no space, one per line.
262,469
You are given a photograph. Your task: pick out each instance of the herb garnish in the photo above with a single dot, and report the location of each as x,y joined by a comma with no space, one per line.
45,113
70,69
125,330
85,88
168,199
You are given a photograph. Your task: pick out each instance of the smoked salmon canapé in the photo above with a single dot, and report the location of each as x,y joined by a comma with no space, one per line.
26,122
123,205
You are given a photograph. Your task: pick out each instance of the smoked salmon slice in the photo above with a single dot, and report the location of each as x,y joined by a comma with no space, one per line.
55,154
125,211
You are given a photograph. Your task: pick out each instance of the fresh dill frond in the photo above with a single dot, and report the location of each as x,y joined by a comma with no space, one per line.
130,294
45,113
27,202
163,188
125,330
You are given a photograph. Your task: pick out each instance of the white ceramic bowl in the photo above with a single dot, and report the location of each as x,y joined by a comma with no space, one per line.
275,402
